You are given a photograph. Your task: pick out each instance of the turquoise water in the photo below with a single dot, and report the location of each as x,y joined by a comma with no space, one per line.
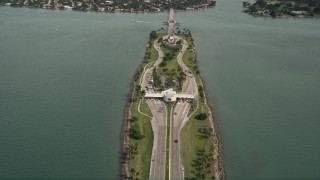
64,76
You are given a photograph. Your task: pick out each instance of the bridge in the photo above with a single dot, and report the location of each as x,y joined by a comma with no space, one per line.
171,22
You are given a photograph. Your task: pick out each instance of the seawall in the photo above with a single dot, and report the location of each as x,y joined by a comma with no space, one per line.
124,170
218,163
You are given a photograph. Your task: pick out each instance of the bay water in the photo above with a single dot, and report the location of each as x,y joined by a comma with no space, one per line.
64,77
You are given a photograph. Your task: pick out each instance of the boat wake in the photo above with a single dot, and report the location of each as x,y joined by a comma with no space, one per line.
140,21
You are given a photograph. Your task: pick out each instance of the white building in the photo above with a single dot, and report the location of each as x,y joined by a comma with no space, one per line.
168,95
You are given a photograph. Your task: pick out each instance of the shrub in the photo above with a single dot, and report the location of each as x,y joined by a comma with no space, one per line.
201,116
134,119
134,132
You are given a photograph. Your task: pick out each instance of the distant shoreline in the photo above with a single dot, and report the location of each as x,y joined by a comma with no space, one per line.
282,8
109,7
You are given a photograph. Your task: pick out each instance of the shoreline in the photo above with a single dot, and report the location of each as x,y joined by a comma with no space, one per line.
219,166
112,11
281,17
282,8
218,161
124,145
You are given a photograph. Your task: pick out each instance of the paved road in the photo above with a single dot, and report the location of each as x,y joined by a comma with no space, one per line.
159,120
190,85
180,113
159,127
148,72
158,123
179,118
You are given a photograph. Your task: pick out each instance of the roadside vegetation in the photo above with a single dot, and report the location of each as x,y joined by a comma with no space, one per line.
189,57
169,106
140,132
197,135
196,140
168,74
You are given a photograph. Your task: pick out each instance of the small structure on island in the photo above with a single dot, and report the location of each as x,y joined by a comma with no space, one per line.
171,39
168,95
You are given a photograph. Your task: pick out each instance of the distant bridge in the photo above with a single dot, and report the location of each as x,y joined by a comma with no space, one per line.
171,22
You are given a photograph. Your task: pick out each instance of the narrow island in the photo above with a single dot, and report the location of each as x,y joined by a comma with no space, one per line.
170,130
283,8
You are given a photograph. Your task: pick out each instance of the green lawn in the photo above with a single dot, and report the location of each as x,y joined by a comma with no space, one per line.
188,56
188,59
154,54
141,163
172,64
192,141
145,108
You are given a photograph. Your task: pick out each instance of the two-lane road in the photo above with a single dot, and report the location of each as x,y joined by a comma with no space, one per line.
147,76
190,85
158,123
159,127
179,114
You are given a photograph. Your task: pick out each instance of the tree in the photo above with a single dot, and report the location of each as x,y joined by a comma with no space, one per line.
160,40
273,13
200,89
142,93
134,119
201,116
138,89
133,174
163,64
207,132
153,35
134,132
261,3
133,150
156,78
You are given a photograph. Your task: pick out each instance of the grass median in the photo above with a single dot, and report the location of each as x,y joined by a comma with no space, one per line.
168,106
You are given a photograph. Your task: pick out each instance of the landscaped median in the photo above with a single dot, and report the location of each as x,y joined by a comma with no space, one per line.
169,110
